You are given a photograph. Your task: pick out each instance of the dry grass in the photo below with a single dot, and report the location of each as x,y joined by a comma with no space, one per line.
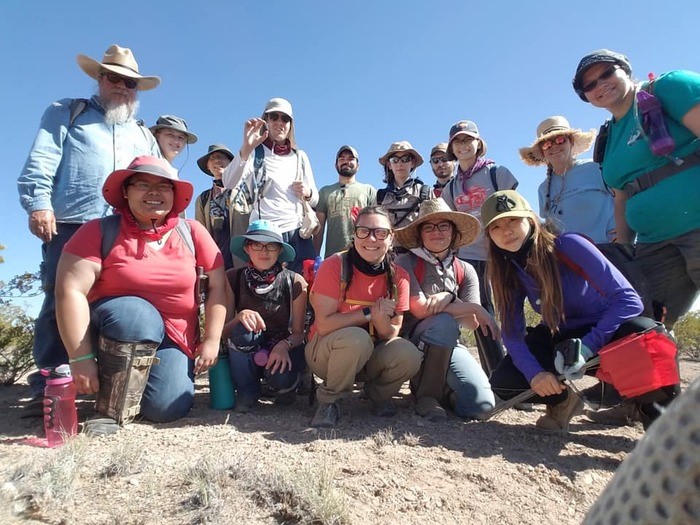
382,439
124,459
411,440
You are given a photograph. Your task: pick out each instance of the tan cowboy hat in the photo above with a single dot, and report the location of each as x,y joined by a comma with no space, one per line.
553,127
401,147
118,60
435,210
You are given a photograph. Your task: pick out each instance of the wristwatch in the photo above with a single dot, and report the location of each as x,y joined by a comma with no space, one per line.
368,313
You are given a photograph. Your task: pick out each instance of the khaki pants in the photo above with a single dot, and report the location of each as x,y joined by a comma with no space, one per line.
349,353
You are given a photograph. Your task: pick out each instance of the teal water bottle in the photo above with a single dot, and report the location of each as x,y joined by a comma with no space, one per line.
222,395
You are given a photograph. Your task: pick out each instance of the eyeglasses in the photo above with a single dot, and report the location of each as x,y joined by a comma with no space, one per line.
463,139
403,159
161,187
561,139
362,232
258,247
129,83
606,74
429,227
274,117
438,160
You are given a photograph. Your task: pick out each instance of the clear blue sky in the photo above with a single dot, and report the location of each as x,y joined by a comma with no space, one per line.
363,73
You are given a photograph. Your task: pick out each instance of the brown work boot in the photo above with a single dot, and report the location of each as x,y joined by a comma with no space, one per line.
429,408
558,416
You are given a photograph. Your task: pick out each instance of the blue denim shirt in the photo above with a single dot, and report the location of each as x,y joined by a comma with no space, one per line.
66,167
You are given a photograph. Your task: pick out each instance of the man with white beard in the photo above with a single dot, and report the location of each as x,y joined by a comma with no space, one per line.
78,144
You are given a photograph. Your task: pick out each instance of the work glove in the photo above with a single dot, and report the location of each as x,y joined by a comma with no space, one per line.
570,358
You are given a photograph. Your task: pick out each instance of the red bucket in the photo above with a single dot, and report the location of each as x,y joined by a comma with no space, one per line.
640,363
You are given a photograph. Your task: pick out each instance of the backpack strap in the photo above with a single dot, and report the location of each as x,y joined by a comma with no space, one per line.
423,193
380,195
184,228
290,291
345,273
76,107
457,265
493,171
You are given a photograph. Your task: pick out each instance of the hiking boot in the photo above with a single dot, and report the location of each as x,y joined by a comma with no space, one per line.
243,405
383,408
624,414
326,416
33,408
99,425
286,398
558,416
429,408
602,394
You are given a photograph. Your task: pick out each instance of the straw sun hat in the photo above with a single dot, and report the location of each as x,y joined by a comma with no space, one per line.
437,210
553,127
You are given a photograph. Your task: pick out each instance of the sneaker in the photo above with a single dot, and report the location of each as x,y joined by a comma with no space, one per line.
429,408
33,408
558,416
624,414
383,408
326,416
99,425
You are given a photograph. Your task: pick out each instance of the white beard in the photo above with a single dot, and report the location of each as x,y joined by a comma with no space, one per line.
119,113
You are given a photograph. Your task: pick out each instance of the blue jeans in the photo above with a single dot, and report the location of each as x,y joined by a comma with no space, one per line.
48,348
464,377
304,249
246,374
169,392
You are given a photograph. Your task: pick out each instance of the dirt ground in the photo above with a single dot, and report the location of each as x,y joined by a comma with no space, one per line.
269,467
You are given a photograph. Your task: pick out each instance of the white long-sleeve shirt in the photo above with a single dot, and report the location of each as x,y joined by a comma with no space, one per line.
278,203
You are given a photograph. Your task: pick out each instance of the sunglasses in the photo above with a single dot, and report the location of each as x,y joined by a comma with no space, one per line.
274,117
361,232
129,83
561,139
438,160
258,247
404,159
606,74
429,227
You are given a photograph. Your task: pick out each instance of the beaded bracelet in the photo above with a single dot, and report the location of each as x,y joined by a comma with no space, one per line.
81,358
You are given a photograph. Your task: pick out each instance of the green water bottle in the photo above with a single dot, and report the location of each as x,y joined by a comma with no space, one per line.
222,395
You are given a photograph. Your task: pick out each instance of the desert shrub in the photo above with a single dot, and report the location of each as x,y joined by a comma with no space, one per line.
16,341
687,332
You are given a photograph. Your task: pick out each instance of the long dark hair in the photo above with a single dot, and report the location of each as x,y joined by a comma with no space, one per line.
542,264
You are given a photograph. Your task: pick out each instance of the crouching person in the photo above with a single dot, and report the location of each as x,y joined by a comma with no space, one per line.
127,302
359,298
444,294
266,305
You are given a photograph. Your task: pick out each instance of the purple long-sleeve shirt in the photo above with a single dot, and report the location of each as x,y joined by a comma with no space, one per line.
604,300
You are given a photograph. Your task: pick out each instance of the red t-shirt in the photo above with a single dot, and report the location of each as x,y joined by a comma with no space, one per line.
363,288
165,278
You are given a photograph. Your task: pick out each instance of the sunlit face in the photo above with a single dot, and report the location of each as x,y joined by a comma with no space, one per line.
115,93
278,129
171,142
442,168
149,197
217,163
401,166
509,233
371,249
608,91
465,148
346,165
556,150
262,255
436,235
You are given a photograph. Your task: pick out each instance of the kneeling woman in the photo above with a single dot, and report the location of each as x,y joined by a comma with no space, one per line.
126,298
576,290
444,295
266,305
359,298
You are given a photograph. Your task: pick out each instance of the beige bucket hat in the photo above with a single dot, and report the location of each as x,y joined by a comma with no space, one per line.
435,210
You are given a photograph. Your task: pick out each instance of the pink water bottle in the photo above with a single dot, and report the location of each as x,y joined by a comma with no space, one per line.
60,413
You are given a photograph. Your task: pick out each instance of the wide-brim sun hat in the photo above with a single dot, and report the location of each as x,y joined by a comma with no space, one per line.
596,57
119,60
402,147
437,210
468,128
174,123
113,191
204,159
264,232
505,203
553,127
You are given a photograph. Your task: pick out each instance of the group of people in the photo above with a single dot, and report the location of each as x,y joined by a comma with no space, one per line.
405,266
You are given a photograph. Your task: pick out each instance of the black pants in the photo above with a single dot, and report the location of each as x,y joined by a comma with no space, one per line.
507,380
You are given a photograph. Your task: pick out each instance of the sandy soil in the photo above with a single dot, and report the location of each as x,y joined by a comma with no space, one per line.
270,467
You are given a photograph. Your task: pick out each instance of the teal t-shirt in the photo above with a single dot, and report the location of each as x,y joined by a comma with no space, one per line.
671,207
